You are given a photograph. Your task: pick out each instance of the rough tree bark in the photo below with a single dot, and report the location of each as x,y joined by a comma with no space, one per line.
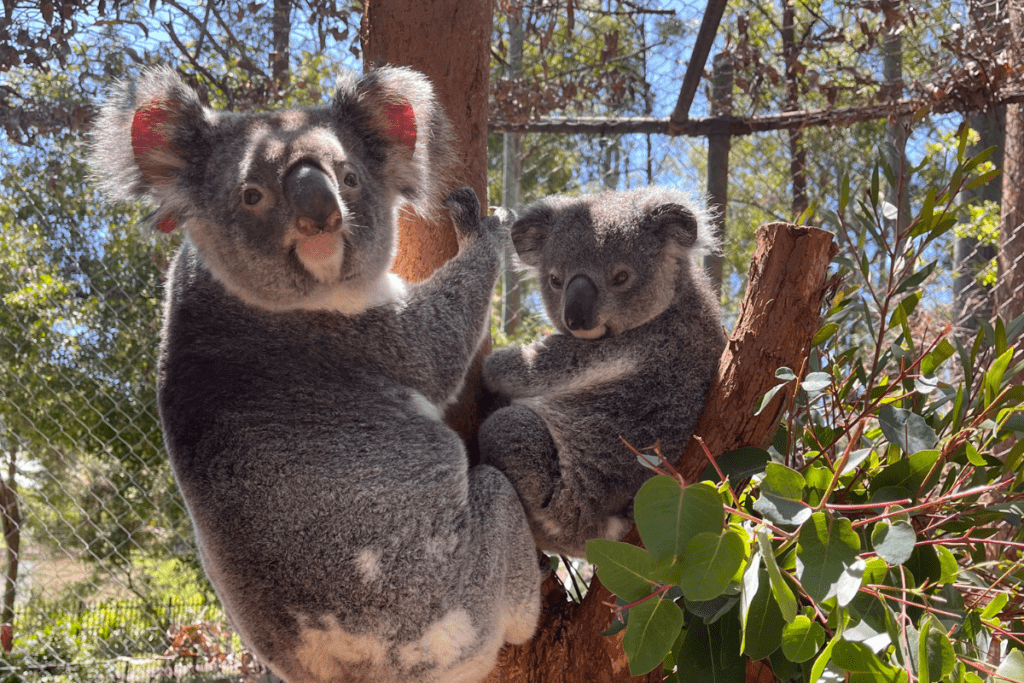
778,318
1010,287
10,523
449,42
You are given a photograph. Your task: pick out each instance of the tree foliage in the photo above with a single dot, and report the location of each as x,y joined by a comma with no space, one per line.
878,537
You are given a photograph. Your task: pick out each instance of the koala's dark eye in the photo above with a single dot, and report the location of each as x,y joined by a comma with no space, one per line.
252,196
621,278
350,180
556,281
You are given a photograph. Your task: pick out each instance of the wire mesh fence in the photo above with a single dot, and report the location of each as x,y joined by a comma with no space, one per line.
100,575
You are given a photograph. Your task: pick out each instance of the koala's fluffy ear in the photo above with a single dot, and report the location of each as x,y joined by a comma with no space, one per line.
530,233
147,132
393,114
677,223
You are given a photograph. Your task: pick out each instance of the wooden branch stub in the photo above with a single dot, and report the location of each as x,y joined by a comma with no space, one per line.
777,321
778,318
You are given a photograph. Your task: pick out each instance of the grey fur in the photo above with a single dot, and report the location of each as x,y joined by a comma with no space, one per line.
643,374
301,398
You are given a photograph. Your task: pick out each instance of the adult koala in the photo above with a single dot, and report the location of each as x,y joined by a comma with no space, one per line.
637,345
301,385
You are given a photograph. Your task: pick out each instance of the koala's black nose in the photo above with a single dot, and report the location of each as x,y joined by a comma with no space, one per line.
313,196
580,308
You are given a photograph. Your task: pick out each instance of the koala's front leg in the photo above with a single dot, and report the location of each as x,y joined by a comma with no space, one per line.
549,365
444,319
516,441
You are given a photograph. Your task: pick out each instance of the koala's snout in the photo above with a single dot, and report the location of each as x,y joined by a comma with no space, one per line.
580,304
314,198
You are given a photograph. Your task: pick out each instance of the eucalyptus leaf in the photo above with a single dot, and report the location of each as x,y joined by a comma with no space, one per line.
761,618
738,464
709,563
906,429
624,569
802,639
783,593
1011,669
894,541
827,547
651,630
668,516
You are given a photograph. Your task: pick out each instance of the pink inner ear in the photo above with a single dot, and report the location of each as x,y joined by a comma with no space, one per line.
168,224
400,123
148,137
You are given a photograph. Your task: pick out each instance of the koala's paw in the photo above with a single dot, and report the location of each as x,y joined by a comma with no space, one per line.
465,211
500,224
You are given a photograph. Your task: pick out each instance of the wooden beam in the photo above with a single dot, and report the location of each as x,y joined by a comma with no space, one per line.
698,59
742,125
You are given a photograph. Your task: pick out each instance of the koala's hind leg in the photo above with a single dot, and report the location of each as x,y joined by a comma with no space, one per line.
504,543
516,441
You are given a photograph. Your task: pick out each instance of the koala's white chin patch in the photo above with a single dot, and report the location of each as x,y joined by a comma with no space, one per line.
321,255
595,333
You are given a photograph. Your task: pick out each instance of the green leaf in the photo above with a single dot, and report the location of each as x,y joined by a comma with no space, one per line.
738,464
759,614
908,474
816,382
825,333
827,546
651,630
995,606
904,309
668,516
1011,669
916,278
935,653
973,456
711,652
844,192
948,563
824,658
783,481
924,564
767,398
983,179
783,593
849,582
893,541
802,639
709,563
782,491
623,568
906,429
934,359
924,222
858,658
994,376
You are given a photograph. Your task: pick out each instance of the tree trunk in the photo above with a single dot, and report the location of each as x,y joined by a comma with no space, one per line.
281,29
797,154
512,169
10,522
449,42
1010,287
778,318
718,161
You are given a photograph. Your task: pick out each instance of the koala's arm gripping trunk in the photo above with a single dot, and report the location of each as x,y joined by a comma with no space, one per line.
445,319
542,367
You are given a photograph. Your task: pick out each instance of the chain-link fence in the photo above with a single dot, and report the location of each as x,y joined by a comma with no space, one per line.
101,579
